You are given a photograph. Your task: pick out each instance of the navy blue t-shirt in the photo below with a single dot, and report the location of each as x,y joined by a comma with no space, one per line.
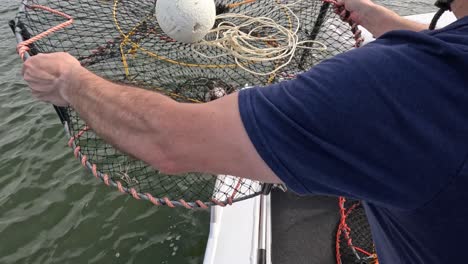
387,124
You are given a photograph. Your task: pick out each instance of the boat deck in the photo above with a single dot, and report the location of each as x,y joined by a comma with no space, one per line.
303,228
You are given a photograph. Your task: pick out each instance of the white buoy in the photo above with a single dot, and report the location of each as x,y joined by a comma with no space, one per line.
186,21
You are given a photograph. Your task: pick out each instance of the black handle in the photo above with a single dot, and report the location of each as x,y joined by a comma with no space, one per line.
18,28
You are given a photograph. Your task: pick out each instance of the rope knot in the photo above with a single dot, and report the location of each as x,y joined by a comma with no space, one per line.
22,49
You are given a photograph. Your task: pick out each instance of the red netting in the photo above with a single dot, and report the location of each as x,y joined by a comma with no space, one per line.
354,242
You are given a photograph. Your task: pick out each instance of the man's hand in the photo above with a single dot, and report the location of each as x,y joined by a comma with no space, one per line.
49,76
378,19
359,9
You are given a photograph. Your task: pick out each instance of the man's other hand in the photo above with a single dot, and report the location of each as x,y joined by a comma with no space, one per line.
359,9
49,75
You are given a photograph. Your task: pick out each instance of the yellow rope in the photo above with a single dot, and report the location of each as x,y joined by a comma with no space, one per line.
126,40
273,75
155,55
136,47
234,5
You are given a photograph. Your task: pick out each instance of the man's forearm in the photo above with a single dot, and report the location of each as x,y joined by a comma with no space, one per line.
379,20
126,118
170,136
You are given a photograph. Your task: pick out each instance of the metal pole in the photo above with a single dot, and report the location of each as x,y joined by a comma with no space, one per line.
18,31
315,30
262,232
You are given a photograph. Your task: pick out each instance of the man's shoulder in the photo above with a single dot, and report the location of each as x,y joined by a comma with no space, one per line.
398,48
405,40
450,39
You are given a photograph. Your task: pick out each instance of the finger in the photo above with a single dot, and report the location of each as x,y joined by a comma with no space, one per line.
45,78
35,93
26,67
38,95
40,86
42,63
337,9
39,74
41,95
345,14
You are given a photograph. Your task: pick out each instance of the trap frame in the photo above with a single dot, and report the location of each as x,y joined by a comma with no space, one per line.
120,40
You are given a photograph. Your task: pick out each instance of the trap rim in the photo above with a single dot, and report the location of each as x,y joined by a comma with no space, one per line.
19,30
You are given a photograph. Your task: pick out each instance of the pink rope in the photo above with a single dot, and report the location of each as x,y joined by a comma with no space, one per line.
235,191
94,170
106,179
134,194
120,187
201,204
168,202
83,160
132,191
76,152
215,201
23,46
152,199
77,136
185,204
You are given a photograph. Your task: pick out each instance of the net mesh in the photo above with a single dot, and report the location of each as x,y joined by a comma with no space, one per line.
120,40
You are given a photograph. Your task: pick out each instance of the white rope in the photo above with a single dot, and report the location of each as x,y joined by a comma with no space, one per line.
253,45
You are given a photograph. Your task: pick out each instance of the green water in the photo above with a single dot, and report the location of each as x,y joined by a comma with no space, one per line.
53,211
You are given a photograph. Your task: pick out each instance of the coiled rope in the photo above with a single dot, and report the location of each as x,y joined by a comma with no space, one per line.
251,45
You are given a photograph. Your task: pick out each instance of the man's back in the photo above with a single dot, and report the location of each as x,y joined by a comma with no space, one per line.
434,231
388,124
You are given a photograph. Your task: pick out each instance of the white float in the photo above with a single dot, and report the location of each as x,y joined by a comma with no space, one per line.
186,21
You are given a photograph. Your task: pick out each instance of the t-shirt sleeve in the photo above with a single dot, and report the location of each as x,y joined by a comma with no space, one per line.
362,124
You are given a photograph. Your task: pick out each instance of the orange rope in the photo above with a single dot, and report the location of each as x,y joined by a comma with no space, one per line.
344,229
363,251
240,3
235,191
23,46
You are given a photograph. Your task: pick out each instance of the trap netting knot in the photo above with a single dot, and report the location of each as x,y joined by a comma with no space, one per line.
121,40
